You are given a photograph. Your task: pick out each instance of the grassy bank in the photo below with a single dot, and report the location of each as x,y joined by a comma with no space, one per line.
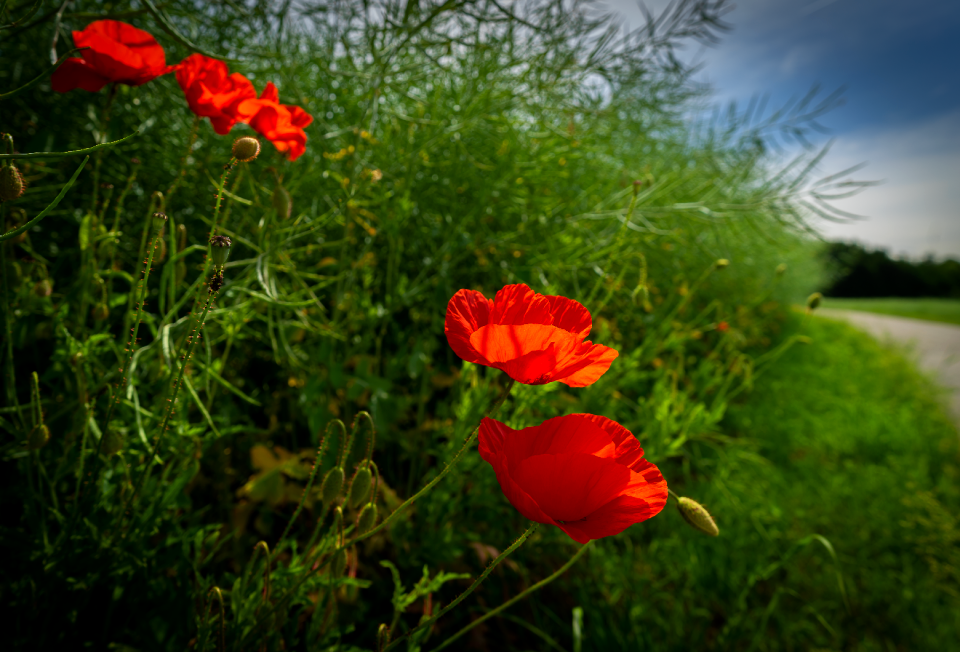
843,449
942,310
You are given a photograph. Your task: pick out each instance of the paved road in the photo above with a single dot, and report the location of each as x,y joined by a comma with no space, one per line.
937,345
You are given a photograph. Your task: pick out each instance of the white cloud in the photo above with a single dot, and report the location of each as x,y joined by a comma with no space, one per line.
917,209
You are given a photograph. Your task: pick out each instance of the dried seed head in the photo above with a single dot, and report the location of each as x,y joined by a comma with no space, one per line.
38,437
100,312
697,516
216,282
12,184
282,203
332,484
43,288
360,487
813,301
246,149
367,518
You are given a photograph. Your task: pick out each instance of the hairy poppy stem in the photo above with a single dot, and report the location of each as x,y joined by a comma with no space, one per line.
427,487
517,598
489,569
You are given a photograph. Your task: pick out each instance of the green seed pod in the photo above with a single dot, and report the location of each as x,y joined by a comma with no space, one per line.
159,219
12,184
246,149
100,312
813,301
722,263
781,268
339,562
38,437
332,484
220,249
697,516
43,288
360,487
367,518
282,203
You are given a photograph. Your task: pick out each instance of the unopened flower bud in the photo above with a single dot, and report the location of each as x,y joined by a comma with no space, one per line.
697,516
159,220
38,437
100,312
219,249
383,636
722,263
332,484
282,202
43,288
12,184
360,487
367,518
246,149
813,301
781,268
339,563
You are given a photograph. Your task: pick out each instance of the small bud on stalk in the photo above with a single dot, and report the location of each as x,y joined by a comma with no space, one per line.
12,184
38,437
722,263
813,301
246,149
339,563
367,518
100,312
781,269
383,637
332,484
360,487
43,288
697,516
282,203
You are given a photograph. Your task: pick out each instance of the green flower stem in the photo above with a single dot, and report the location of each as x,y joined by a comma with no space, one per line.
102,133
306,490
8,368
517,598
427,487
489,569
121,386
173,401
71,153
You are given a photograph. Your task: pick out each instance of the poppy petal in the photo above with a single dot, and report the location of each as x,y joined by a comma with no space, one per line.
518,304
575,433
76,73
585,365
614,517
529,353
570,315
467,311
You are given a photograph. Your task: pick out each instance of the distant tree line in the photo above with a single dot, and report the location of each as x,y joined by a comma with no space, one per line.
861,272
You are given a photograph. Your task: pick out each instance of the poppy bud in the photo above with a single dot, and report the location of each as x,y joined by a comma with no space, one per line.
339,563
12,184
100,312
697,516
332,484
159,219
43,288
360,487
246,149
813,301
38,437
383,637
220,249
781,268
367,518
722,263
282,202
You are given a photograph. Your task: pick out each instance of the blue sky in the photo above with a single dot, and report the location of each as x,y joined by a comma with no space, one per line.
900,64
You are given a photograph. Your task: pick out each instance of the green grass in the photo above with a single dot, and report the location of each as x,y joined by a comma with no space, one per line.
843,439
942,310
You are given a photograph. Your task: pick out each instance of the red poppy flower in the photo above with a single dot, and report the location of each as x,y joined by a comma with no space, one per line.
536,339
117,52
583,473
212,92
281,124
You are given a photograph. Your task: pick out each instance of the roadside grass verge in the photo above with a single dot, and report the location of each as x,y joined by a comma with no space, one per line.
942,310
845,439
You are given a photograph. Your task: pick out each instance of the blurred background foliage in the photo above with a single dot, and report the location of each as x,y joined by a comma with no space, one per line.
455,145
